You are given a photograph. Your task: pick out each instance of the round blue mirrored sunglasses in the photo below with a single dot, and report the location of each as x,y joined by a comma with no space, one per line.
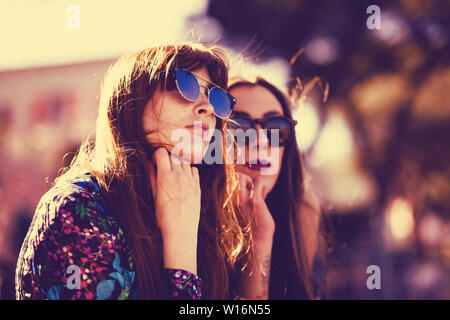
189,88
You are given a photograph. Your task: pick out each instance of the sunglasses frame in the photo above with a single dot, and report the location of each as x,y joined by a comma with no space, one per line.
262,122
232,99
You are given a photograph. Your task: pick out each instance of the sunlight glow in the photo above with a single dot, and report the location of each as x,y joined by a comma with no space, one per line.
107,29
335,141
400,219
308,125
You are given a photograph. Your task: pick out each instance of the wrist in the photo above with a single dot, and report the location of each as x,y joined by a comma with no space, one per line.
180,253
170,235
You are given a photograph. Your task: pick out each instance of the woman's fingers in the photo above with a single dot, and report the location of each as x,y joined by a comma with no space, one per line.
162,160
180,164
176,163
195,176
166,161
171,164
186,166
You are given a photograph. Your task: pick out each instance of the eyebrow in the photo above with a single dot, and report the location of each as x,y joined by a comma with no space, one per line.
267,114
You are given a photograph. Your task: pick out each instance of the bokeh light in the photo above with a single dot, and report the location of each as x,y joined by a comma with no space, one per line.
400,219
335,142
322,50
394,28
308,125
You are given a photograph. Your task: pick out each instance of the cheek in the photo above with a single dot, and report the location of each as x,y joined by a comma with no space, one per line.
171,113
165,115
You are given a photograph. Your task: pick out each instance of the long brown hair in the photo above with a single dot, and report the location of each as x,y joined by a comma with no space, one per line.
291,273
118,158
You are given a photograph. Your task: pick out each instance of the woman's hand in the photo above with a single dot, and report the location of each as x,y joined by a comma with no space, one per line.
254,283
252,197
177,196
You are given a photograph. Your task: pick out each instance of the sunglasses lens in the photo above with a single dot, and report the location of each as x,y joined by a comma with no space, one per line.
221,102
238,123
187,84
283,127
241,129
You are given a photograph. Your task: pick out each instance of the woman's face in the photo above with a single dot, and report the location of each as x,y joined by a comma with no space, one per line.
170,120
258,102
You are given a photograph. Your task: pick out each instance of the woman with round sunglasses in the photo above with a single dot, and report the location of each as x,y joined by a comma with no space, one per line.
127,218
272,184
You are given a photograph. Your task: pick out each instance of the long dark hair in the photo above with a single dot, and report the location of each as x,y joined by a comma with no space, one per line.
118,161
291,273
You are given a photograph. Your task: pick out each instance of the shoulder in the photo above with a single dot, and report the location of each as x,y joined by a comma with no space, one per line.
74,199
79,192
81,189
72,208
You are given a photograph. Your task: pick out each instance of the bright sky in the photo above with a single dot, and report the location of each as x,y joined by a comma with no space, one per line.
44,32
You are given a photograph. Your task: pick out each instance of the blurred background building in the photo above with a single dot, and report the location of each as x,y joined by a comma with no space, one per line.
376,149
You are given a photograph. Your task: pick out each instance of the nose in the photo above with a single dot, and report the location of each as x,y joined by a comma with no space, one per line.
203,106
262,141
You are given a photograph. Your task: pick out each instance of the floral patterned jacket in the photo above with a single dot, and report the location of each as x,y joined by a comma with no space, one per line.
75,250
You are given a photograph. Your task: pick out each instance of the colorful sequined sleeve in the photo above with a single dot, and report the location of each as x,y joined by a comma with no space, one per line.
73,250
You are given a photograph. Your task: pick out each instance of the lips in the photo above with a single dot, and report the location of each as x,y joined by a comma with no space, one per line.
259,165
204,128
